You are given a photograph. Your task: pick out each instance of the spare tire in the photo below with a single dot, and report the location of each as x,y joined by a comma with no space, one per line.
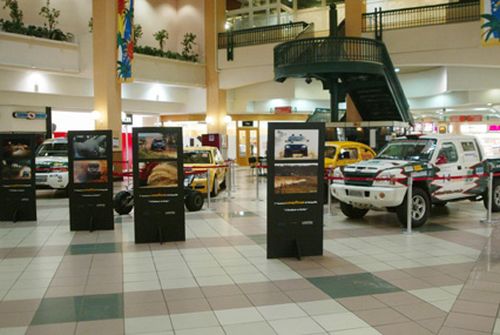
123,202
194,201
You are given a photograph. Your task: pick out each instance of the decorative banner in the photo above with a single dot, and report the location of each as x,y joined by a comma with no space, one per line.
125,41
490,28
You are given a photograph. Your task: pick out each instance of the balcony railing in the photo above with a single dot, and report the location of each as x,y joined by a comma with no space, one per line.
261,35
424,16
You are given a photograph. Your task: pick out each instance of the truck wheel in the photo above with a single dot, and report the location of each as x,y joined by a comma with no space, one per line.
352,212
123,202
495,204
194,201
223,185
421,208
215,188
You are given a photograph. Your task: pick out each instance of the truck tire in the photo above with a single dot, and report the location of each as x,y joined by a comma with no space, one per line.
123,202
495,204
421,208
223,185
352,212
215,188
194,201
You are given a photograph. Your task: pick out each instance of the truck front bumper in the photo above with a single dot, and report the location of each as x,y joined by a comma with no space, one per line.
52,180
369,197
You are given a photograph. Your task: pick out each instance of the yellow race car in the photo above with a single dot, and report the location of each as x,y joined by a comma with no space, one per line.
198,159
339,153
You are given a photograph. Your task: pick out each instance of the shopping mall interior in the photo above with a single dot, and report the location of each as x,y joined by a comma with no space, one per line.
281,167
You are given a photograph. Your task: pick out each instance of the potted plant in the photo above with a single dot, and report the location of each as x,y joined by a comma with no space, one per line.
161,36
188,43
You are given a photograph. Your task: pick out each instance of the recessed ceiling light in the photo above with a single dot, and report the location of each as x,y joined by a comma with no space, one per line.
397,70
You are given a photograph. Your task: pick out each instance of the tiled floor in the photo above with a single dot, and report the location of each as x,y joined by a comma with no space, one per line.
372,279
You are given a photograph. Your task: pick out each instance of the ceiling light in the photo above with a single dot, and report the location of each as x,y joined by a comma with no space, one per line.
397,70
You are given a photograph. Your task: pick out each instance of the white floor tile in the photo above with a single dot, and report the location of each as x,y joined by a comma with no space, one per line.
255,328
194,320
340,321
149,324
238,315
283,311
322,307
297,326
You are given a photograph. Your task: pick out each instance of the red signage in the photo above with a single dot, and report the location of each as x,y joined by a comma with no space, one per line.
466,118
283,110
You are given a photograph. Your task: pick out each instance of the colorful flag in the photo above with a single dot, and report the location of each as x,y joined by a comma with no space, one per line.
125,41
490,22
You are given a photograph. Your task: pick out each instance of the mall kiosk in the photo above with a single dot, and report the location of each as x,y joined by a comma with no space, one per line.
90,164
17,177
158,185
295,189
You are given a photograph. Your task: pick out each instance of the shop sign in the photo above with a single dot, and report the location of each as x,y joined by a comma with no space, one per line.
283,110
127,119
247,123
466,118
494,127
29,115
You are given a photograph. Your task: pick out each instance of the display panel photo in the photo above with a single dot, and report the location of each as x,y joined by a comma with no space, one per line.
93,171
16,148
157,145
296,144
296,178
16,170
89,146
158,174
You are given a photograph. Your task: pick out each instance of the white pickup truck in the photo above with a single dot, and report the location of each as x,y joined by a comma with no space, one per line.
381,182
52,164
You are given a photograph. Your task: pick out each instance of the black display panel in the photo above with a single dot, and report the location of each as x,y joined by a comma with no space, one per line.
90,167
158,185
17,177
295,189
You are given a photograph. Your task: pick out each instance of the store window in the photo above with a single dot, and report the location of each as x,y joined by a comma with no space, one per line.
448,153
349,153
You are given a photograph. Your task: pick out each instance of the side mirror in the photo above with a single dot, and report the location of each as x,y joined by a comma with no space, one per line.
441,160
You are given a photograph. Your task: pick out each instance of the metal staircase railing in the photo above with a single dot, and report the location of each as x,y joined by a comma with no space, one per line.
261,35
454,12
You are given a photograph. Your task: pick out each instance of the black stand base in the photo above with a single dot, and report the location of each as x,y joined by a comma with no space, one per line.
15,215
298,249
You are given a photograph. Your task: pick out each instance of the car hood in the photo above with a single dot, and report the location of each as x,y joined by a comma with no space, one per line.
50,160
376,165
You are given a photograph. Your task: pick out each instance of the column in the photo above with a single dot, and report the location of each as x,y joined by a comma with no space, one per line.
107,89
216,98
353,28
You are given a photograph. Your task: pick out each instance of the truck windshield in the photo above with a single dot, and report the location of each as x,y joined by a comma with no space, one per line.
197,157
330,152
408,150
53,150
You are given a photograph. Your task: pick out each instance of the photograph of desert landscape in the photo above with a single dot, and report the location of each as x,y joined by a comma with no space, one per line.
295,178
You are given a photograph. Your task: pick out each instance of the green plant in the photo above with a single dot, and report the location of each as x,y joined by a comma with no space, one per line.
137,33
161,36
188,43
51,15
16,14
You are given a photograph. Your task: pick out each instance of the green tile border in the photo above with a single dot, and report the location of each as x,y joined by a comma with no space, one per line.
94,248
79,308
353,285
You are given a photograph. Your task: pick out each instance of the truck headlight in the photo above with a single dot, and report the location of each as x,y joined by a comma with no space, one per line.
385,179
339,176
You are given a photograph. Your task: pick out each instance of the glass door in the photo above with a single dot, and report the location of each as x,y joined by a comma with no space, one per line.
247,145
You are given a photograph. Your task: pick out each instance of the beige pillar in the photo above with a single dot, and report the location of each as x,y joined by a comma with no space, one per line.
107,89
353,28
216,98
